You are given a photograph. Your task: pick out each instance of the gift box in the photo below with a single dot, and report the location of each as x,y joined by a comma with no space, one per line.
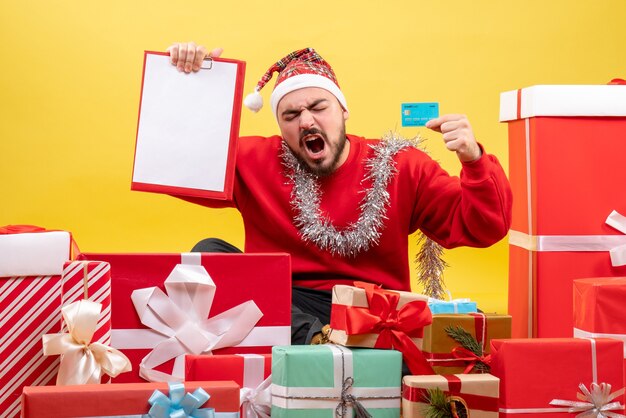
137,280
446,355
599,308
249,371
31,263
558,230
366,316
545,376
456,306
125,399
477,393
321,380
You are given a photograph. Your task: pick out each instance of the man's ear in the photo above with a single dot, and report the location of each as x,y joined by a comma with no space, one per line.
346,115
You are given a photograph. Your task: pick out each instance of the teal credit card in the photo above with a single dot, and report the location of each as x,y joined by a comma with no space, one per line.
417,114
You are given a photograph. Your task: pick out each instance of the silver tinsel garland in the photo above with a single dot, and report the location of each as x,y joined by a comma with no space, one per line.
365,232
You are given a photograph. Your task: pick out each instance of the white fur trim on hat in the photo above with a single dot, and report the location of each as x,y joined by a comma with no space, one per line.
302,81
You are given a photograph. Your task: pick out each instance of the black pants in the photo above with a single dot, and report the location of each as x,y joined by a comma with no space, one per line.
310,308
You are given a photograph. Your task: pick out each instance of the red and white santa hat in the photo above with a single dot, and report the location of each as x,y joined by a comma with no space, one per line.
297,70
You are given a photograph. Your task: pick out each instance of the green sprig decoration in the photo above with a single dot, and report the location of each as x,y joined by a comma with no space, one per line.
430,267
469,342
440,405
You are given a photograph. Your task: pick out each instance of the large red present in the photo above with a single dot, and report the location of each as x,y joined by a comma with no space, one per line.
565,165
178,319
250,371
130,400
599,308
31,263
543,376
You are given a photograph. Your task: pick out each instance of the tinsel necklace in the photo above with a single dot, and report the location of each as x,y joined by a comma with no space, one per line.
365,232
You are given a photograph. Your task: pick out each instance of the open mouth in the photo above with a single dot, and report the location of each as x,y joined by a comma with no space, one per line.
314,144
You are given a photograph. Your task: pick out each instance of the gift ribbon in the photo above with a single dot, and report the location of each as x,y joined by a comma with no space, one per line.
179,404
394,327
83,361
472,359
255,398
343,396
180,317
579,333
596,403
473,401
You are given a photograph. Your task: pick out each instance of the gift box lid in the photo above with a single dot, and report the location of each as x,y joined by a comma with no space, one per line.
40,253
563,100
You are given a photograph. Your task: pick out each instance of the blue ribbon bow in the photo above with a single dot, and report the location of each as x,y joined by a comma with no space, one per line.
179,404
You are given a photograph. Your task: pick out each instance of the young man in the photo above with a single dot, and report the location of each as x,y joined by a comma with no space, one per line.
343,206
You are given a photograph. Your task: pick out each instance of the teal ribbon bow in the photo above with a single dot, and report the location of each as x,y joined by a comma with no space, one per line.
179,404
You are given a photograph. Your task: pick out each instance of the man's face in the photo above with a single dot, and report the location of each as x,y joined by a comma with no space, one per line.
312,123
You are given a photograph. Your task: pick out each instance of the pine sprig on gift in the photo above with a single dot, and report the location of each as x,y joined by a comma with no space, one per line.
430,267
440,405
470,343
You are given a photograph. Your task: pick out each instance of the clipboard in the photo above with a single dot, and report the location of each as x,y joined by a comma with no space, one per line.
187,128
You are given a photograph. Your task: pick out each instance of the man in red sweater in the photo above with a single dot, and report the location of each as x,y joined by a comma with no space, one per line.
343,206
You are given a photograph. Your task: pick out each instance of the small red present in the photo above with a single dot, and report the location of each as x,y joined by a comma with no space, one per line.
131,399
250,371
541,376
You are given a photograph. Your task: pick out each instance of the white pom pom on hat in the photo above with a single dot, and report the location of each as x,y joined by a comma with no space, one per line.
297,70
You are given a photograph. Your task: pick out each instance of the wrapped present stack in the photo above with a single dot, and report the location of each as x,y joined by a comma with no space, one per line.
199,334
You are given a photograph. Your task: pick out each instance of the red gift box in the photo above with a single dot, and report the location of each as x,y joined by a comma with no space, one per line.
31,262
249,371
565,165
262,278
535,372
599,308
128,399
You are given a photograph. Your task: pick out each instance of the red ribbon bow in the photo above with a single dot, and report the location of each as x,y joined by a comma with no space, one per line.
394,326
20,229
464,354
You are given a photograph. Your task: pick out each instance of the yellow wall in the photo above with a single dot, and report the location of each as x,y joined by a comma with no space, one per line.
70,74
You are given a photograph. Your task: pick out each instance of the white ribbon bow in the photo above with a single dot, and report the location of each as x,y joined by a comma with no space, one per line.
83,361
257,403
181,317
618,254
595,403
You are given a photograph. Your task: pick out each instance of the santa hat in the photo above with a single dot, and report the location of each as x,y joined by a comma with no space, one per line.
299,69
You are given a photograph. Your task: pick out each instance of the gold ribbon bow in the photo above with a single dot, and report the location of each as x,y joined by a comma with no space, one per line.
83,361
595,402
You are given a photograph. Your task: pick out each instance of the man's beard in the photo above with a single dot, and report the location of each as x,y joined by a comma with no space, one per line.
319,169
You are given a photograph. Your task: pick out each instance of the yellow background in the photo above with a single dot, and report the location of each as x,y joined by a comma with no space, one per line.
70,74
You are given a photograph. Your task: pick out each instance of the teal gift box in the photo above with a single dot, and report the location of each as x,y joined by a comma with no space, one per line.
456,306
328,381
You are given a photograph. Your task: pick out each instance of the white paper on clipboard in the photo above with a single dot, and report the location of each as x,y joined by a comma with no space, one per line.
185,131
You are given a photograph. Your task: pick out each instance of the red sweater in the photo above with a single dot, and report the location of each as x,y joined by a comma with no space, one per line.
474,210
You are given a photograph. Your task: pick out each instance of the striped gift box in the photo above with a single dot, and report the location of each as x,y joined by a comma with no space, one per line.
31,264
30,306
